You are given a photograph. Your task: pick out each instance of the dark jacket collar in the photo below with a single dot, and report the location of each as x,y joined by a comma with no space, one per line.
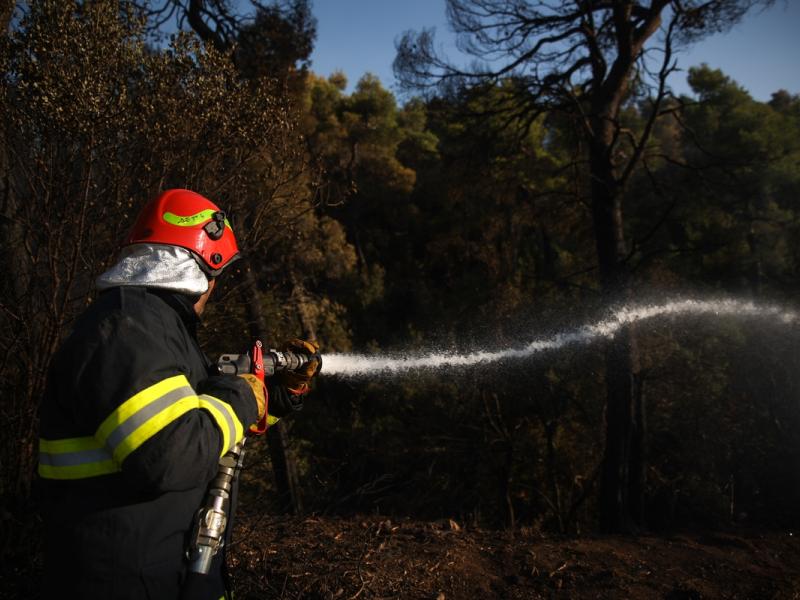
183,305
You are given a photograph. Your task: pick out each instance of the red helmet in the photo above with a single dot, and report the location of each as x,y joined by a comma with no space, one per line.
187,219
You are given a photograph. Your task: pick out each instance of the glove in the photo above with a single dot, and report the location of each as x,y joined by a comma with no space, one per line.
297,382
259,391
281,401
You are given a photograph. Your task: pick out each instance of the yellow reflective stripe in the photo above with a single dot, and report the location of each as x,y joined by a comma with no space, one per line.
69,445
94,469
153,425
192,220
134,422
272,420
226,419
74,458
125,429
221,423
136,403
143,415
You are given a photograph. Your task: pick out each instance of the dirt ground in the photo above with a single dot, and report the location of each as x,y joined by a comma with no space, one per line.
373,557
381,558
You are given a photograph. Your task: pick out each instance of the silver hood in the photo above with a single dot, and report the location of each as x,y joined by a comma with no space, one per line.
156,266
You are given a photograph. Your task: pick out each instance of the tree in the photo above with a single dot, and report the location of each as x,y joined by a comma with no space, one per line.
278,42
585,59
275,41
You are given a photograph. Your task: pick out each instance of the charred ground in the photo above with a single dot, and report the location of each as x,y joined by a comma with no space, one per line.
377,557
381,558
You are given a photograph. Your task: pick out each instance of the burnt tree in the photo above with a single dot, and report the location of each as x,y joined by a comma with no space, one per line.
585,59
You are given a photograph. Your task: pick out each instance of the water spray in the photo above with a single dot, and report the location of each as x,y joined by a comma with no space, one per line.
359,365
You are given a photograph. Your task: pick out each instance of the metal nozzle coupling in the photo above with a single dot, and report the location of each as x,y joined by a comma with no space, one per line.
275,361
211,520
287,360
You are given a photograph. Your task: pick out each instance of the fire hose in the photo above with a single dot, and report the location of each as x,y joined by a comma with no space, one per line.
211,519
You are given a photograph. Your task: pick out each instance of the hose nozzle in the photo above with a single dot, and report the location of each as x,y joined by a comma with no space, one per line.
275,361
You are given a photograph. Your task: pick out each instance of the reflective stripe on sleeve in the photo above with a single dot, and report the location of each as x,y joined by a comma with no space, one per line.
272,420
74,458
129,426
142,416
226,419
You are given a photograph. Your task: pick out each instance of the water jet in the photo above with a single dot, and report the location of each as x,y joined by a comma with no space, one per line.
360,365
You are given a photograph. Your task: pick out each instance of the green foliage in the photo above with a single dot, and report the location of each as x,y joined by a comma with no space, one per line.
732,185
279,38
493,243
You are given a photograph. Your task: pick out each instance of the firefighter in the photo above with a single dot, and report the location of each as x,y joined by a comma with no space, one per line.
132,422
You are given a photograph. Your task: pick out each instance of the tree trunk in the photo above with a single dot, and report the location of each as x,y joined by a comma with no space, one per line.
550,427
283,466
622,474
756,268
285,470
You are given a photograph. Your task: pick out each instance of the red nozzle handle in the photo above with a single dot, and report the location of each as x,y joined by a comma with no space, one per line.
257,362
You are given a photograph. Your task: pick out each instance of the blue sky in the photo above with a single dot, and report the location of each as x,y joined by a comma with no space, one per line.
762,53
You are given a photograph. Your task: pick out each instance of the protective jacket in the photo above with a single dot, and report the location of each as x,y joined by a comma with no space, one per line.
132,428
